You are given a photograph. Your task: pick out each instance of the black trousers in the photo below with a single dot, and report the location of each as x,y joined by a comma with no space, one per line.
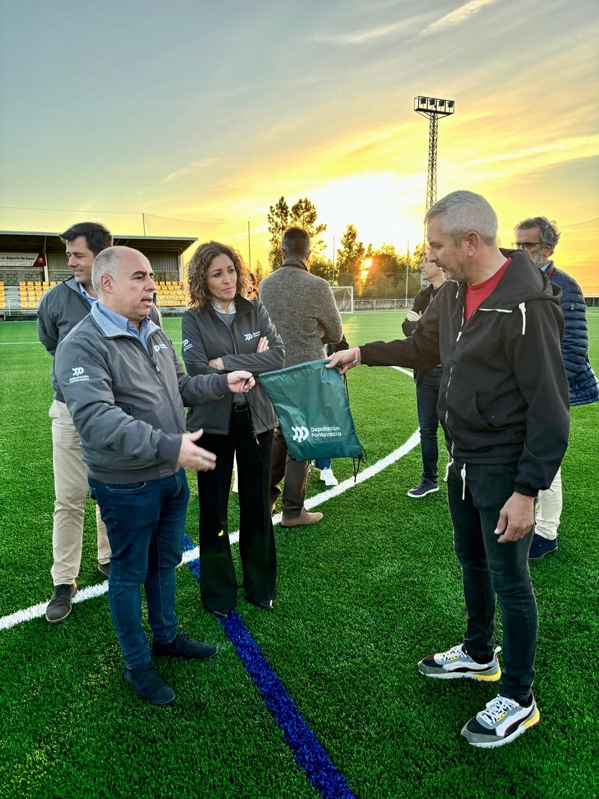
218,585
490,570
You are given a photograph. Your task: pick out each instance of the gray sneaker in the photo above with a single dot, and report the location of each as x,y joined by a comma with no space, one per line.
456,663
423,488
500,722
60,605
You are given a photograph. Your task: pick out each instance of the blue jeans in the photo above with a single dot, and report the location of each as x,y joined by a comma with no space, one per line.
427,396
322,463
145,524
490,569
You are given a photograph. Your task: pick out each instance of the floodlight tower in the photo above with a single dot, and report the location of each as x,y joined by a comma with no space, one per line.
433,108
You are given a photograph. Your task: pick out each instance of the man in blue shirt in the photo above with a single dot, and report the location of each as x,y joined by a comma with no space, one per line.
60,310
126,390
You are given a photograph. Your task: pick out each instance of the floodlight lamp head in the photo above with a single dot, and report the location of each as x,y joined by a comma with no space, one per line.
433,106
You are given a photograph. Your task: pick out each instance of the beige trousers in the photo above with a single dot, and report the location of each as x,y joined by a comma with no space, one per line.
549,509
70,489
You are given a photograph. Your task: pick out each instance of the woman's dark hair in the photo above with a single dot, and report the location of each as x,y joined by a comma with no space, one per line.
197,272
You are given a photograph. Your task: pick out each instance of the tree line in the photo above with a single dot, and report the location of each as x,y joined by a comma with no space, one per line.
373,272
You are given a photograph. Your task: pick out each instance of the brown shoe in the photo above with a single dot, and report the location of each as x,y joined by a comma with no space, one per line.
298,521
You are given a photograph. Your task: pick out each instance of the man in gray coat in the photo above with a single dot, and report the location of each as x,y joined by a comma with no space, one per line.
302,308
59,311
126,390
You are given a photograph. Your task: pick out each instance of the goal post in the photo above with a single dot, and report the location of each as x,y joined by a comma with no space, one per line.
344,298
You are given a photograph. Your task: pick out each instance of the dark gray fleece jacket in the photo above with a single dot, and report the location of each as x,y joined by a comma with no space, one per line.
59,311
206,337
128,405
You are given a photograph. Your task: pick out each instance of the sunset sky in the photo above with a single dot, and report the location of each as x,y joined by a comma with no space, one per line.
210,111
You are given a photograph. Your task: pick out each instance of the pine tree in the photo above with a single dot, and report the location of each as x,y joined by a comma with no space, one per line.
278,222
303,214
350,257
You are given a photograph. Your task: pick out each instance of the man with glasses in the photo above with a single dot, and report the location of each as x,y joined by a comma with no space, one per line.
538,237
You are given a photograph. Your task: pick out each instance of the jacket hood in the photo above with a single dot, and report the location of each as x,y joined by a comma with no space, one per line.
521,282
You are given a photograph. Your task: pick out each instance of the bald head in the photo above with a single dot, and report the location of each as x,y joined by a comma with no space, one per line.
109,261
124,282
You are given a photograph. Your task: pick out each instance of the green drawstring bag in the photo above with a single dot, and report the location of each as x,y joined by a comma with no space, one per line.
313,409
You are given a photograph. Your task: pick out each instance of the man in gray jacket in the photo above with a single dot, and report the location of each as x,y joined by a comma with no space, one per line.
60,310
126,390
302,308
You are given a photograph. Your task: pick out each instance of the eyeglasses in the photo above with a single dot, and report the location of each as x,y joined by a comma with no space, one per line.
525,245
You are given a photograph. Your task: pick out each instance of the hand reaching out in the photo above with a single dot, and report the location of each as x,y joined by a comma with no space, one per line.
240,382
193,457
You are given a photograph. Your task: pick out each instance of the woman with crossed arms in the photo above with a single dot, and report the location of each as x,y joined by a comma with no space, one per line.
222,332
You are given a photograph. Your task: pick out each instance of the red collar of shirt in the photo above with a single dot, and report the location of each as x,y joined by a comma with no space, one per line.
477,294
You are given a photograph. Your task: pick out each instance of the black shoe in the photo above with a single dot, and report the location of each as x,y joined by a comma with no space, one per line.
61,605
220,614
265,605
540,547
182,647
104,568
149,685
423,488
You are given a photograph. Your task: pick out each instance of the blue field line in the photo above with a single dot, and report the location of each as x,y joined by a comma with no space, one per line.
309,753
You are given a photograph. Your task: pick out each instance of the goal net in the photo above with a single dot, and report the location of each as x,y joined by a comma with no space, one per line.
344,298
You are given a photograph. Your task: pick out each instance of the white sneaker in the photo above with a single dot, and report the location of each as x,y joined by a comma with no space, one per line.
500,722
328,478
456,663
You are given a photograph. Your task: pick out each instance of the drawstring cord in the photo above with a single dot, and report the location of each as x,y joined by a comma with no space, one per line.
522,307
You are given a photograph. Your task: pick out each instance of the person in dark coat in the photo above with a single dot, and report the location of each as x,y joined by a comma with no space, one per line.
221,331
538,237
504,393
428,383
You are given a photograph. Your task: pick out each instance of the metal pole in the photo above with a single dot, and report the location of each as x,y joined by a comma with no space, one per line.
249,248
333,278
431,188
143,218
407,268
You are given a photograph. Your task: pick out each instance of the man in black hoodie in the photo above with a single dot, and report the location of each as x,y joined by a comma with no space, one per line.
504,398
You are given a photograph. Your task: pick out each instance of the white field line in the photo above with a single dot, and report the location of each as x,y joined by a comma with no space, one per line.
405,371
35,611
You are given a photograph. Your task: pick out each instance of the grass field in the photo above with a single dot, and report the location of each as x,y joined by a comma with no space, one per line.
362,596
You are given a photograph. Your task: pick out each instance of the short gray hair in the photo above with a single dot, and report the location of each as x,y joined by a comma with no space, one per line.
105,263
548,231
465,212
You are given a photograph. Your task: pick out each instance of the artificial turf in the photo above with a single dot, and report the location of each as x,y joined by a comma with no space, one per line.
362,596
